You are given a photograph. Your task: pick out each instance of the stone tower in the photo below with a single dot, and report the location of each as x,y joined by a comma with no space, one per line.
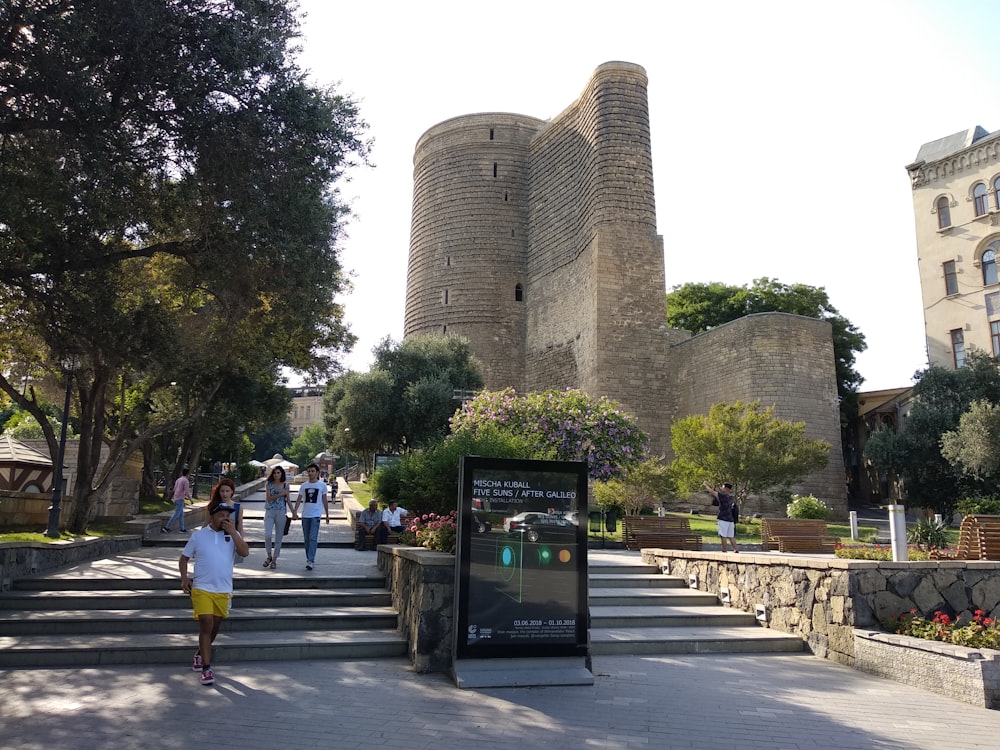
536,240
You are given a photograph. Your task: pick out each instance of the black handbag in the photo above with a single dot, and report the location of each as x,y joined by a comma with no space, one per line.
288,525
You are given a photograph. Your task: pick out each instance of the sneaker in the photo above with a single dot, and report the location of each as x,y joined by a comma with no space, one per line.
309,565
196,664
164,530
207,678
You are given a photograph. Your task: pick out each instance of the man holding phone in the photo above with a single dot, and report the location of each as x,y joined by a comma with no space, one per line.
214,547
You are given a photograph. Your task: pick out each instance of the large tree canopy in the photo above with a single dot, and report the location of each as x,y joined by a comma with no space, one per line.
168,210
700,307
745,445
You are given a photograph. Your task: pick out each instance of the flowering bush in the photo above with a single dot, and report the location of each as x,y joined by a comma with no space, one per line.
876,552
568,425
981,632
807,506
432,531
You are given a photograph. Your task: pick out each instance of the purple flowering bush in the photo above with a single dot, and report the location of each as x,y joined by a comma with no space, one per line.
564,425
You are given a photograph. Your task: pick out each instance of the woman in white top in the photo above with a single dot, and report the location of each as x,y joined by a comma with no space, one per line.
277,492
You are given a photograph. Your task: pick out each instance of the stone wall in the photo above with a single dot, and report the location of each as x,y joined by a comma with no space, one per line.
823,600
966,674
422,583
20,559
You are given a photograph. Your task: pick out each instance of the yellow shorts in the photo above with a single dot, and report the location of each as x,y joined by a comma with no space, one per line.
208,603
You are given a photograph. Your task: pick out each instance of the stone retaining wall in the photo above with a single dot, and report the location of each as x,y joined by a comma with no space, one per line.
824,599
422,583
967,674
20,559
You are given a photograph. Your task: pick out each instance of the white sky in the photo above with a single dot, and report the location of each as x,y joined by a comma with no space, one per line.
780,131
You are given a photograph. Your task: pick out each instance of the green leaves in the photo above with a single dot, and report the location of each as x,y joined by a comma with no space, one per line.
745,445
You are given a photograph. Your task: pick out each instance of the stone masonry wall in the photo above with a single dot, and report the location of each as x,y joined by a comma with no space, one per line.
824,600
785,361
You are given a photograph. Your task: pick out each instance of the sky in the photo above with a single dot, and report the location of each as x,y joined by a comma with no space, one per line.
780,132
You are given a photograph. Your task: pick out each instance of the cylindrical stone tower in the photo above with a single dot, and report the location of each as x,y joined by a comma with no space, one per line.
468,239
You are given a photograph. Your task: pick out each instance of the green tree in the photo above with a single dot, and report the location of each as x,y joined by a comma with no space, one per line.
358,414
167,213
698,307
308,445
745,445
644,485
566,425
975,446
941,397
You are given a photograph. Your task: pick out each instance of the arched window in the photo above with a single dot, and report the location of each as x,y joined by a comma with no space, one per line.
990,263
518,293
943,212
979,195
996,192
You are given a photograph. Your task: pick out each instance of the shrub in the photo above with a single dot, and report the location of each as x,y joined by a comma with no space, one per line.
807,506
876,552
981,632
927,533
432,531
979,506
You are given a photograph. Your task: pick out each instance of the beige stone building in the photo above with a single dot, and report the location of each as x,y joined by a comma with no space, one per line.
956,206
307,409
537,240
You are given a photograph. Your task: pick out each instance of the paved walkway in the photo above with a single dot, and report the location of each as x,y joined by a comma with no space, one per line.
757,702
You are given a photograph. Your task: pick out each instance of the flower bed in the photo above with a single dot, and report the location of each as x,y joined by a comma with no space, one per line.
432,531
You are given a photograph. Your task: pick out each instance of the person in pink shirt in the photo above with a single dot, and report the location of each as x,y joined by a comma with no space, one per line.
182,493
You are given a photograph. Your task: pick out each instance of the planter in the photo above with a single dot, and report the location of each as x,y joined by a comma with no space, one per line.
967,674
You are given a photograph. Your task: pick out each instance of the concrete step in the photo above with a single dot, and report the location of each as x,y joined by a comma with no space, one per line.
143,648
628,597
241,619
175,598
667,617
650,579
692,640
241,582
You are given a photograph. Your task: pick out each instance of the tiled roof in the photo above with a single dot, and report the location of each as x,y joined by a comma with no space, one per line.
11,451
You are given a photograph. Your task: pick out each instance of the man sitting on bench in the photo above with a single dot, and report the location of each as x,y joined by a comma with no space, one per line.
368,523
392,520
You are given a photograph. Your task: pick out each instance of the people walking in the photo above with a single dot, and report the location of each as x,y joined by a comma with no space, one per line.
213,548
277,495
311,494
181,495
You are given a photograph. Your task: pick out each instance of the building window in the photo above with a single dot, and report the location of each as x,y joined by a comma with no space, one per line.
518,293
993,305
980,197
950,278
491,134
958,347
445,297
943,212
996,192
989,267
995,336
495,170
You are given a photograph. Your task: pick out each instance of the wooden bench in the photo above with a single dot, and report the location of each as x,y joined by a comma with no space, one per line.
796,535
978,539
656,532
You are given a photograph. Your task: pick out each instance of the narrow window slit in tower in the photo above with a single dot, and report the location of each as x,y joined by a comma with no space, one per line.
518,293
494,169
491,134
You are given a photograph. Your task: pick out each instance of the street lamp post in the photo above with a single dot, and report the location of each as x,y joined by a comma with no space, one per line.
69,364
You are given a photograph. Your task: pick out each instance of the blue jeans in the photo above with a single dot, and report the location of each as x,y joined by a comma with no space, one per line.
310,533
178,515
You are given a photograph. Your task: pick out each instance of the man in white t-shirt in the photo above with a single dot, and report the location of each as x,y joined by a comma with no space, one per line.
213,547
392,520
311,494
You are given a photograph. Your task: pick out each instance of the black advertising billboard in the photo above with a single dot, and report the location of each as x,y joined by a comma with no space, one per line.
521,579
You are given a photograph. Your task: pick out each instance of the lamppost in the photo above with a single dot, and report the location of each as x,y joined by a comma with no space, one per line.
70,363
347,451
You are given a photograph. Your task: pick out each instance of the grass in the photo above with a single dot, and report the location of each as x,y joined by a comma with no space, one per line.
362,493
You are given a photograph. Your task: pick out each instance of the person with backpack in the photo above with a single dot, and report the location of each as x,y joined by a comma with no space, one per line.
728,513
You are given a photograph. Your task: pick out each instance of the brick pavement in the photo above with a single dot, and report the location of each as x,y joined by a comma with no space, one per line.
768,702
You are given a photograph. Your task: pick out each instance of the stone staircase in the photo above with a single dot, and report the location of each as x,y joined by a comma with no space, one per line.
47,622
636,610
